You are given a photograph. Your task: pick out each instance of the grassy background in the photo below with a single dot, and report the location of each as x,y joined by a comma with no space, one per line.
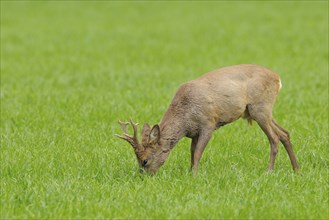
69,70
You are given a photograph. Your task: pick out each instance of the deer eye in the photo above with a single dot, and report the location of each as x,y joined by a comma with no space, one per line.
144,162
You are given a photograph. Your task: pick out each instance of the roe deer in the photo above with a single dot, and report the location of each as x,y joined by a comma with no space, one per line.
203,105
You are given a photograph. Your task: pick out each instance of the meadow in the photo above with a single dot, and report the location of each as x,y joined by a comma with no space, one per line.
70,70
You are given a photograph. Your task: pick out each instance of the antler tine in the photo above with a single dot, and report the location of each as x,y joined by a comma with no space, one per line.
134,125
131,139
125,136
123,126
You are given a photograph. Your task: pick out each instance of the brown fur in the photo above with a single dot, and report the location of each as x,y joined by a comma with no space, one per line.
209,102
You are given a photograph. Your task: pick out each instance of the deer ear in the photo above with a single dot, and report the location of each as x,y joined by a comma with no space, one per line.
146,129
145,133
154,135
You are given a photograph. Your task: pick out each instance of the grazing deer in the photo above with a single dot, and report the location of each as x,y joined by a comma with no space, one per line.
203,105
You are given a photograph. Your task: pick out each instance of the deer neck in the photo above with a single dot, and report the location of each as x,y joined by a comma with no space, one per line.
172,130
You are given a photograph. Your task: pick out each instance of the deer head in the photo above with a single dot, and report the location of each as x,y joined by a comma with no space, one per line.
149,153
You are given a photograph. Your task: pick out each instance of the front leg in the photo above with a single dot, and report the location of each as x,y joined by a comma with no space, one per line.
202,142
193,146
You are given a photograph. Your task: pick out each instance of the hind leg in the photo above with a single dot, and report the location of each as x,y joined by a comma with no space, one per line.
273,139
285,140
263,116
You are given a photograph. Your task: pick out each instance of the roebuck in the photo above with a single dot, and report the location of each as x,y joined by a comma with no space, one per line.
207,103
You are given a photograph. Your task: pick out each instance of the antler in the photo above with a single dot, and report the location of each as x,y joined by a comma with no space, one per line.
131,139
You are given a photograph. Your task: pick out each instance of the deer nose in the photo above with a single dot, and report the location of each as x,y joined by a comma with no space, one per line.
141,170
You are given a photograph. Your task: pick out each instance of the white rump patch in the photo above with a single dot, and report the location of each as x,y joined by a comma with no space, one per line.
280,84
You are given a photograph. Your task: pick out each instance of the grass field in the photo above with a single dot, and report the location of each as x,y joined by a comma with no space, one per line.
69,70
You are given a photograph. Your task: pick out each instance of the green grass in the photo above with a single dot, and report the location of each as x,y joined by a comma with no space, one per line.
69,70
